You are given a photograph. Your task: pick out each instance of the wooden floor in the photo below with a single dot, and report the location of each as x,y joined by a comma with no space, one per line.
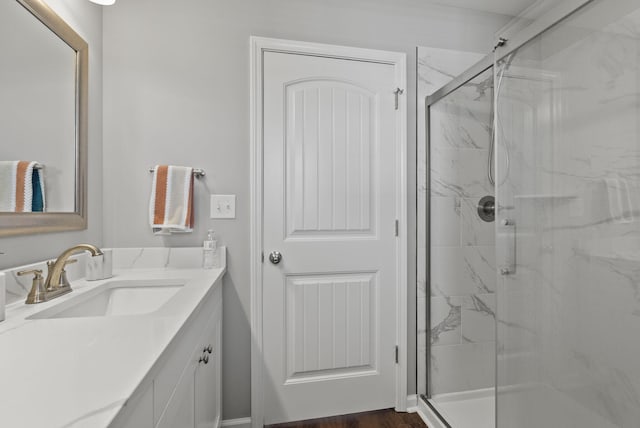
376,419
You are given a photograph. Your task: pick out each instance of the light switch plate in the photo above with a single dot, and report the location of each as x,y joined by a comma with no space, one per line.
223,206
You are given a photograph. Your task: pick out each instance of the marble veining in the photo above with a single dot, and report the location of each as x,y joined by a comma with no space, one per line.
86,417
480,266
463,271
478,318
615,392
449,311
144,258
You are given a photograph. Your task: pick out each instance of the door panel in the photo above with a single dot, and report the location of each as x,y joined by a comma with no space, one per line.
330,325
329,145
329,307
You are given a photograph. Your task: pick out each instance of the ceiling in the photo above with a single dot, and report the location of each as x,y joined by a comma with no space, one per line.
505,7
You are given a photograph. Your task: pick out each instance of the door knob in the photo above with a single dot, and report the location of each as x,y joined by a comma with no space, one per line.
275,257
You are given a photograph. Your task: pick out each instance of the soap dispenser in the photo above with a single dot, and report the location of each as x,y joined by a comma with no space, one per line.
209,250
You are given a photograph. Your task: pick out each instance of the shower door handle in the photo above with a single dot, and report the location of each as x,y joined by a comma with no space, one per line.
507,247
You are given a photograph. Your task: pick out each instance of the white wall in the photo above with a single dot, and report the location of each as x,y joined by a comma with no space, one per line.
177,91
86,19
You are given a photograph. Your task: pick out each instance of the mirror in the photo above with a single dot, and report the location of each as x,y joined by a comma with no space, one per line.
43,121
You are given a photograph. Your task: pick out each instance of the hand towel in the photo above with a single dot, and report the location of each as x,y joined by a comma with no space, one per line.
21,187
171,204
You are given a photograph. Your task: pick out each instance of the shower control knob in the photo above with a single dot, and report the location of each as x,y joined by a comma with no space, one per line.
487,208
275,257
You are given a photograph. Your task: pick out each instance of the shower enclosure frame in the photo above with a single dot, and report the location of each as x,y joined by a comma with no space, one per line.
504,46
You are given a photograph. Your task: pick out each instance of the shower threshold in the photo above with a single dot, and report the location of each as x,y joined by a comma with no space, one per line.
467,409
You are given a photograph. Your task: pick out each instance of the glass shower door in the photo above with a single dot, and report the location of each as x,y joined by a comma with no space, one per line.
568,223
461,340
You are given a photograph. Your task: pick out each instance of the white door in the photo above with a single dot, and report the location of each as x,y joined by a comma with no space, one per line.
330,180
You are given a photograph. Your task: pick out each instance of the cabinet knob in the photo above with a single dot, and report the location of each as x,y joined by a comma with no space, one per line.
204,359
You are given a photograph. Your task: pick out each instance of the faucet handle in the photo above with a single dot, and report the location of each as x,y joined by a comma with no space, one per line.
36,272
51,263
38,293
64,281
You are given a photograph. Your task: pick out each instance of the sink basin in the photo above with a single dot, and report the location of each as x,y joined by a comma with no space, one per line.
115,298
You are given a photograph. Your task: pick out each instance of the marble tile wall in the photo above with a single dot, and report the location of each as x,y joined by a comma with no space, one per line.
462,251
569,317
463,271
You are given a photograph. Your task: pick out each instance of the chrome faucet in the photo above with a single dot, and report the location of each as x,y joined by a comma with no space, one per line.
56,283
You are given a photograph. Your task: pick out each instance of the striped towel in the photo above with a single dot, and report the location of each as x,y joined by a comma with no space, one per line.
21,187
171,205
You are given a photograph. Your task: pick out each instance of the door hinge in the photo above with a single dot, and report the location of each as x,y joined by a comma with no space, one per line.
397,227
397,93
397,354
262,257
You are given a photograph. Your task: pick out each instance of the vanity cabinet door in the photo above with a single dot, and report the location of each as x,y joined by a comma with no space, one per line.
208,394
139,412
179,412
196,400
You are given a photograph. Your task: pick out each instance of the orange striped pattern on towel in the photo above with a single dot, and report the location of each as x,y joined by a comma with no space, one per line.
21,175
161,193
171,205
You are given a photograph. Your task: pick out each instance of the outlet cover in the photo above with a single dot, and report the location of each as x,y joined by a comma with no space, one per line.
223,206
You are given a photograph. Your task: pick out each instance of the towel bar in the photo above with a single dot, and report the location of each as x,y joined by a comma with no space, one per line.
197,172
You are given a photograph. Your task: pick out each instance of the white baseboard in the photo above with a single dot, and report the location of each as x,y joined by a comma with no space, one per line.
412,403
239,423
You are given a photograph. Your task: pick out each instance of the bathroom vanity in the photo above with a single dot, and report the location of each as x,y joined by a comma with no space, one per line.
140,349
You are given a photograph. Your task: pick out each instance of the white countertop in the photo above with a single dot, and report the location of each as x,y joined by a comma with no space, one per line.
78,372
